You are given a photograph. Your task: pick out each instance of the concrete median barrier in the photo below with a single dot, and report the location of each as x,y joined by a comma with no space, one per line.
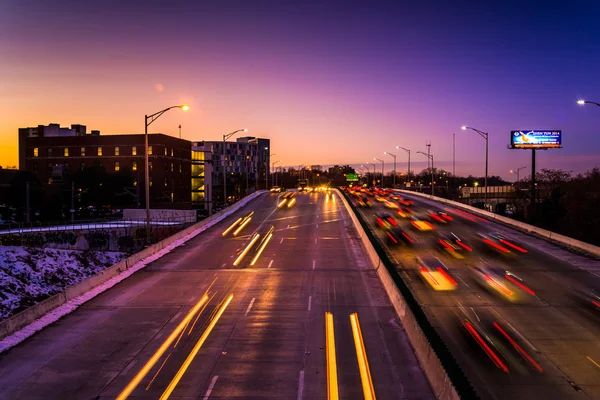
420,334
79,293
521,226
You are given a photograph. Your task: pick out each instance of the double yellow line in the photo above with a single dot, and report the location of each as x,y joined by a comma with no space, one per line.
361,355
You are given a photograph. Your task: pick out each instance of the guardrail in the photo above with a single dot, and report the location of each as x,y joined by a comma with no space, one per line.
18,327
521,226
443,372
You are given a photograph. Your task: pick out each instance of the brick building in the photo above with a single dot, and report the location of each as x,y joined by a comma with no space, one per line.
53,153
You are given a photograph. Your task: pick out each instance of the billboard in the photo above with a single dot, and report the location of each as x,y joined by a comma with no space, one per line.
351,177
535,139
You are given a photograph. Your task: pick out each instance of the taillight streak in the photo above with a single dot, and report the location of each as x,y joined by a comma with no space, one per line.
452,281
407,237
514,246
446,245
392,237
516,282
505,290
497,246
519,348
485,347
464,246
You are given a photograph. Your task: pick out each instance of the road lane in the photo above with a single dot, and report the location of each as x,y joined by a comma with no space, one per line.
554,322
269,341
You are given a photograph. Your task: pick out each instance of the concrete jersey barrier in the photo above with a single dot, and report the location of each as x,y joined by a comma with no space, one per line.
437,376
76,294
521,226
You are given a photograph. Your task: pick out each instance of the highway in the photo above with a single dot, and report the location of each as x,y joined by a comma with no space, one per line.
204,323
554,350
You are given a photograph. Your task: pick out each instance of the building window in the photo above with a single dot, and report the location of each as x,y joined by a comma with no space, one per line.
166,182
116,150
172,167
149,150
165,151
35,167
179,167
134,166
150,181
150,165
134,151
50,152
36,152
135,182
172,152
82,166
66,152
99,151
117,166
49,169
49,181
83,152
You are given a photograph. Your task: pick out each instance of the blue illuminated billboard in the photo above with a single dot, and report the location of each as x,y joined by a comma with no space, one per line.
535,139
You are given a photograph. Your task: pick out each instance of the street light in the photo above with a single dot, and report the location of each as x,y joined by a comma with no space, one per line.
517,172
484,135
148,119
382,163
225,137
394,179
582,102
430,156
408,151
274,174
373,165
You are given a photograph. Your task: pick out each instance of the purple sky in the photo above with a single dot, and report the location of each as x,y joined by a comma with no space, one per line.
335,82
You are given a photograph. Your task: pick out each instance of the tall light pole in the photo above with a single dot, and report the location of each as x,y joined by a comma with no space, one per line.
394,179
272,173
517,171
430,157
582,102
373,165
408,151
225,137
382,163
148,119
484,135
267,169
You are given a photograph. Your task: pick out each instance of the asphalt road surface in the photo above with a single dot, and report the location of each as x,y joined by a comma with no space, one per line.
260,332
557,328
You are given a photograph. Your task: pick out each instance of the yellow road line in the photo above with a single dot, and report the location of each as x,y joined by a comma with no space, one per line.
232,226
595,363
246,250
261,248
361,355
161,350
195,351
158,372
332,383
242,226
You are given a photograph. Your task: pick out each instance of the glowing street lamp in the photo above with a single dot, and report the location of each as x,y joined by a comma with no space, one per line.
394,179
382,163
582,102
484,135
430,156
225,137
148,119
512,171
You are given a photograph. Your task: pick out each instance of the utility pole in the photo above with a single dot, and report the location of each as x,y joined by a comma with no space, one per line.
428,145
179,131
454,154
72,201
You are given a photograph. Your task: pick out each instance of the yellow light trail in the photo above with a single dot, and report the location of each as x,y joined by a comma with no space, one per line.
281,203
232,226
361,355
161,350
246,250
195,351
595,363
292,202
332,383
261,248
239,229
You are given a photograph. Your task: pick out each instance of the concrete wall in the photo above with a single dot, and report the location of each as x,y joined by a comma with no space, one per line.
138,214
521,226
436,374
21,320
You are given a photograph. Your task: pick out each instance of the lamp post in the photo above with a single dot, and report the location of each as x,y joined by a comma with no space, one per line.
274,174
484,135
430,156
582,102
517,171
408,173
225,137
394,178
267,168
373,165
148,119
382,163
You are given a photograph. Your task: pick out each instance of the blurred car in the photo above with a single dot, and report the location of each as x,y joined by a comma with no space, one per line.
435,273
380,198
501,244
398,236
501,282
453,245
391,204
406,202
421,225
404,212
275,189
364,202
439,216
385,220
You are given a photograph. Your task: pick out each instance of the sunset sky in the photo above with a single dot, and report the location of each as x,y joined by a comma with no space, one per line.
329,82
